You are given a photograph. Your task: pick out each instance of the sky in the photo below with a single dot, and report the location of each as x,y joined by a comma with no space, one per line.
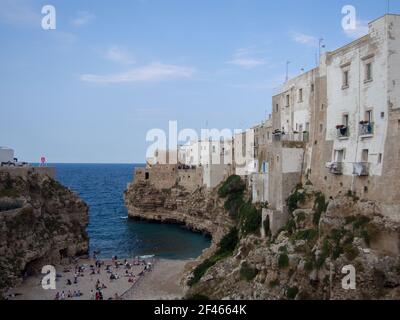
90,90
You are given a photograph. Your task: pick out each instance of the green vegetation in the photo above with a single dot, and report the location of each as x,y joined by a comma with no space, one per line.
363,227
250,219
308,235
283,260
227,246
247,272
292,292
298,196
274,283
234,184
320,207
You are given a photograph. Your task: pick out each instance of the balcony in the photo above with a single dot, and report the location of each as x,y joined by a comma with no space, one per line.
366,129
291,137
336,168
343,132
361,169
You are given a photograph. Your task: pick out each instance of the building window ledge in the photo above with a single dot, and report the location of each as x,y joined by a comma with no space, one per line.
368,81
343,138
366,136
345,86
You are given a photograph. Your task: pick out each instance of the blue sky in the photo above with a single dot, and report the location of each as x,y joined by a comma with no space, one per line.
112,70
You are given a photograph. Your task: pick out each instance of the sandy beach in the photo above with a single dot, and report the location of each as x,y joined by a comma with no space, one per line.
160,280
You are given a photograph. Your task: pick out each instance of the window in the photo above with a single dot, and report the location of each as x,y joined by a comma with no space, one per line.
345,120
382,115
300,95
312,87
321,127
345,79
147,175
322,107
364,155
368,116
398,124
380,158
287,100
368,71
277,108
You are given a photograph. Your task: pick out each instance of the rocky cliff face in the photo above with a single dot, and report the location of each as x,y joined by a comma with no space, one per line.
200,211
41,222
305,260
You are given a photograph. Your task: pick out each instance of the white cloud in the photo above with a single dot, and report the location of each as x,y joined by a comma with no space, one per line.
154,72
19,13
245,58
119,55
361,30
305,39
83,18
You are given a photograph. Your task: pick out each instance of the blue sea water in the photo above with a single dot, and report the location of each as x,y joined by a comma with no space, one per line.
101,186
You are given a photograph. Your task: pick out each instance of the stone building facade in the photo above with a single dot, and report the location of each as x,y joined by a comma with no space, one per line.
337,126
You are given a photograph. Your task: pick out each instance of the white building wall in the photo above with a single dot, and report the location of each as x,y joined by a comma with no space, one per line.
359,97
6,155
292,159
296,115
245,161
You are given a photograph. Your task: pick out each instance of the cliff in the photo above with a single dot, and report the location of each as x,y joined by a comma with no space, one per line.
200,210
41,222
305,259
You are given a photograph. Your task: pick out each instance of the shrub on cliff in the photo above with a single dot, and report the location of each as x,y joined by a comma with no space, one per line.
226,247
298,196
247,272
233,185
250,219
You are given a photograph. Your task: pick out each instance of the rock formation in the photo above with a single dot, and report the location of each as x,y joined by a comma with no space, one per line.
41,222
304,260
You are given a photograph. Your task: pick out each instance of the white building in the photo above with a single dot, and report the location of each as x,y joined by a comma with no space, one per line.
6,155
362,85
244,153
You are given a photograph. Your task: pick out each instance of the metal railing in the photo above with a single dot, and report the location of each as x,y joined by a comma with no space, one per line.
297,137
366,128
336,168
361,169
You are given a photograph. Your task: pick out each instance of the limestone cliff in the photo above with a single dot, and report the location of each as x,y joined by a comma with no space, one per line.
200,210
41,222
305,259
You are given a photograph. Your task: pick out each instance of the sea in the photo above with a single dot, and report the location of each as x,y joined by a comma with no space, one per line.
110,231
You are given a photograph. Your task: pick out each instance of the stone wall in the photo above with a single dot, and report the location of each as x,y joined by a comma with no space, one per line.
25,171
191,179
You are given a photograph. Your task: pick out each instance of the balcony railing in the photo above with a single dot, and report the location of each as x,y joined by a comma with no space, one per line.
366,128
361,169
297,137
343,132
336,168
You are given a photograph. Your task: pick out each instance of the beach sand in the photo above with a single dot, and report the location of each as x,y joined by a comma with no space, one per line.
162,282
